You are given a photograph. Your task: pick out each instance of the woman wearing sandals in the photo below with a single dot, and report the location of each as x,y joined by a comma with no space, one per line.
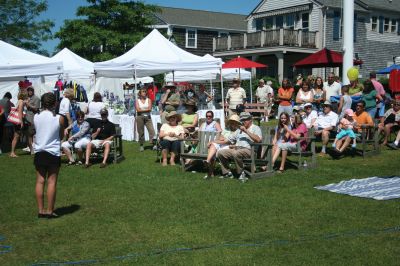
49,132
18,129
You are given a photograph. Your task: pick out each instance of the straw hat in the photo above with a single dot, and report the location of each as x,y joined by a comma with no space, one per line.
172,114
234,119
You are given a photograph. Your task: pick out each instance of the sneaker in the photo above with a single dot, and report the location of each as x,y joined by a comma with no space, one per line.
227,175
141,148
26,149
206,177
333,145
353,145
154,147
243,177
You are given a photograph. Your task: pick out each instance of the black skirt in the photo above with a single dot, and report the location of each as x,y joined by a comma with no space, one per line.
44,159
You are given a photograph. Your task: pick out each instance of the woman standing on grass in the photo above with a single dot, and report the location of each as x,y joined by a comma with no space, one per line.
49,132
18,128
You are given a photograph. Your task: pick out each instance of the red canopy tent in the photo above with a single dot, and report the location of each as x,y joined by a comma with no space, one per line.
323,58
241,62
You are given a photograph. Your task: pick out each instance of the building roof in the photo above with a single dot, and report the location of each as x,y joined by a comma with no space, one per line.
201,19
393,5
358,5
366,5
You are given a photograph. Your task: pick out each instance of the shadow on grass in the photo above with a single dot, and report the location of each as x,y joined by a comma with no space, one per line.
67,210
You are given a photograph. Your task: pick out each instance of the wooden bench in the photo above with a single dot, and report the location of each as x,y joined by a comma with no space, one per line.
368,139
260,162
204,137
258,110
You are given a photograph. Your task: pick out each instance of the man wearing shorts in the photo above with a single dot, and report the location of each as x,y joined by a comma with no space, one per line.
32,105
102,137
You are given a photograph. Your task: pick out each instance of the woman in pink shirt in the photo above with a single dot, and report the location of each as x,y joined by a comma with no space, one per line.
298,131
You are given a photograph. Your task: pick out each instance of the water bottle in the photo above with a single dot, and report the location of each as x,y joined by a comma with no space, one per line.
305,164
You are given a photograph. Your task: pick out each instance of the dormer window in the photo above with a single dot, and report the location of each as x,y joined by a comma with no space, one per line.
191,38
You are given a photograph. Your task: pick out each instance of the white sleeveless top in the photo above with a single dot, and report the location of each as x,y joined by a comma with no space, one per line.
144,105
305,96
47,126
94,109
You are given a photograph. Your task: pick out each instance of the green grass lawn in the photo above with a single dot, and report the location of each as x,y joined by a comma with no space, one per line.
137,212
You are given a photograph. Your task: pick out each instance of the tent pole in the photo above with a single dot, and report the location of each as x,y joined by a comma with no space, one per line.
222,90
135,99
251,90
173,76
212,92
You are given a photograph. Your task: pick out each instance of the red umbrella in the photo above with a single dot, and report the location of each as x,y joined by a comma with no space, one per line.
323,58
241,62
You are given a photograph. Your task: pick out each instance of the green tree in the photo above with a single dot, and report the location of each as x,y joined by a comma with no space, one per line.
107,28
19,25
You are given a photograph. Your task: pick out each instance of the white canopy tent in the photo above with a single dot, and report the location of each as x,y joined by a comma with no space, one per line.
151,56
74,65
16,63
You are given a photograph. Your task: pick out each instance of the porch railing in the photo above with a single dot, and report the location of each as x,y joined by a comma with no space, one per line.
267,38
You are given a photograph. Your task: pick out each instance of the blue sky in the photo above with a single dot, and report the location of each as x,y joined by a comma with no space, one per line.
60,10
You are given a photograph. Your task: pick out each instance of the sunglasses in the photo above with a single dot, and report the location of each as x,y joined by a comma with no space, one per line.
209,116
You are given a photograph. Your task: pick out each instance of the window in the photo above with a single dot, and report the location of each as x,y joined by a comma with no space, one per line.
279,22
393,26
305,18
269,23
223,34
289,21
374,24
259,24
386,24
191,38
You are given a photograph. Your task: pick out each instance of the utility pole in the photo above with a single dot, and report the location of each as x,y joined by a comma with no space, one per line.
348,38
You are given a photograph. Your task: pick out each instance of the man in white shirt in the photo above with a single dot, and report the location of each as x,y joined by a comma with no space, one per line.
310,115
325,123
331,87
239,147
235,96
265,94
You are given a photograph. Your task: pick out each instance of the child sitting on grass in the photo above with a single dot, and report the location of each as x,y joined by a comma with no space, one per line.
346,129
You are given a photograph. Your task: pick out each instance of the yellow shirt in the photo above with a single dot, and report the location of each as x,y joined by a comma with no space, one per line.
166,128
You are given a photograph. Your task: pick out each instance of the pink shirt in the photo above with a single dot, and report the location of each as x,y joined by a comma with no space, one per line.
378,87
302,130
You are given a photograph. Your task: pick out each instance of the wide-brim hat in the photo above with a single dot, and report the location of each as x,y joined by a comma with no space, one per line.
235,80
172,114
245,116
307,105
234,119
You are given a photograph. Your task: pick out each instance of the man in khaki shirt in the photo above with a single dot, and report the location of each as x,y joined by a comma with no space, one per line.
235,96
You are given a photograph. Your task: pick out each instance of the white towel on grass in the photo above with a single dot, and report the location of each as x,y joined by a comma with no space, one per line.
379,188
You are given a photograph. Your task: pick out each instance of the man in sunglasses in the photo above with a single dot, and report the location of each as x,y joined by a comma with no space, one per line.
362,117
325,124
